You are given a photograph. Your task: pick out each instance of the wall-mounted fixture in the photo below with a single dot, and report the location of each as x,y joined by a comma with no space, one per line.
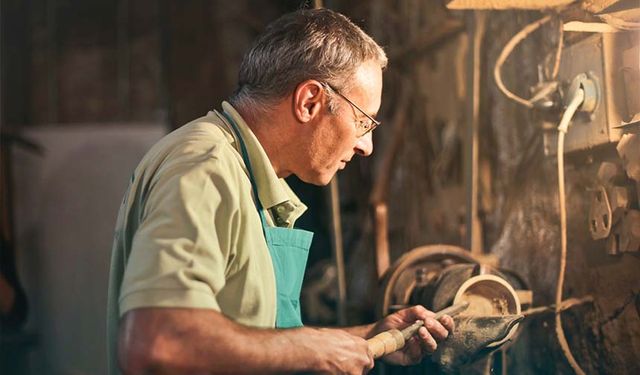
610,62
615,205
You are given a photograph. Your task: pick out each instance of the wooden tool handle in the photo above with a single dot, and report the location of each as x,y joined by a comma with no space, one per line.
385,343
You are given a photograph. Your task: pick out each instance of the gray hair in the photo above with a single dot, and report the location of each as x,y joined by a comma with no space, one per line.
307,44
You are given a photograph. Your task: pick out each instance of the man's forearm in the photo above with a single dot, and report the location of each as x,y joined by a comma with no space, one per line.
203,341
176,341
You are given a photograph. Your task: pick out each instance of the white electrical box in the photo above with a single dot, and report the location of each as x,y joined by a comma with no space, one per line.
611,60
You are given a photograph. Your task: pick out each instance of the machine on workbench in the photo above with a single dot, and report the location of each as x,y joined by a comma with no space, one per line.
438,276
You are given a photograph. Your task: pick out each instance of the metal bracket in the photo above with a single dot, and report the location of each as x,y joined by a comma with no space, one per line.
600,214
626,234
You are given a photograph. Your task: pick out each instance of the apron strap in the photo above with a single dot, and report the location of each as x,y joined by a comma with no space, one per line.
247,162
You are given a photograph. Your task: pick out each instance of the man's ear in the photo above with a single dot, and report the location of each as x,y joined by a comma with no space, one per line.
308,100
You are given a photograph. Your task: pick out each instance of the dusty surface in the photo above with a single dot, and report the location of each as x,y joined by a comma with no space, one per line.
474,337
487,297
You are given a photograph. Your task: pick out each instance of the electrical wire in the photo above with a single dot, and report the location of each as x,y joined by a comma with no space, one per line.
512,44
574,104
556,64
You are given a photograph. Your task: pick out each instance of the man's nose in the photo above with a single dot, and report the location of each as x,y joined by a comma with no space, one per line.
364,145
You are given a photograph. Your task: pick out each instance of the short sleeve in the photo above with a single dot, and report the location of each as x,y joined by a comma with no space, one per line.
184,241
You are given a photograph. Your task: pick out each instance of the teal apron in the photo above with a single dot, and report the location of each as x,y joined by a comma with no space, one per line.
289,249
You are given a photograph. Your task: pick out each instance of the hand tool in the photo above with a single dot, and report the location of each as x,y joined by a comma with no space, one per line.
392,340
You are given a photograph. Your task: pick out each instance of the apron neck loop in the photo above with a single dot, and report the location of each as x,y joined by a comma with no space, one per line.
247,162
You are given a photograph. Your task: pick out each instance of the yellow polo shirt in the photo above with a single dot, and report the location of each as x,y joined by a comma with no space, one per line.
188,233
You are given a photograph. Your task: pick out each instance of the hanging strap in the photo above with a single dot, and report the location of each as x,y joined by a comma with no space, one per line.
247,162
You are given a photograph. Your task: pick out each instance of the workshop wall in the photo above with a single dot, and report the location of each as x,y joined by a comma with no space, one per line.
101,61
518,198
66,202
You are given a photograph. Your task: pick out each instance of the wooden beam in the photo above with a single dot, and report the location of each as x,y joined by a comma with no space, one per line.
507,4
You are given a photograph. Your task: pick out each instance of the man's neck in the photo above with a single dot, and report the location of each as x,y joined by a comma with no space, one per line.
268,128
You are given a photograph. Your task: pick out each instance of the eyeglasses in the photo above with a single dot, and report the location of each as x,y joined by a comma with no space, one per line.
362,126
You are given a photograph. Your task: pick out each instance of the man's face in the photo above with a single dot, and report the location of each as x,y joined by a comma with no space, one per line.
334,140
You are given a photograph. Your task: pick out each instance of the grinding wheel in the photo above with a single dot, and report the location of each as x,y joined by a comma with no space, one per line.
489,296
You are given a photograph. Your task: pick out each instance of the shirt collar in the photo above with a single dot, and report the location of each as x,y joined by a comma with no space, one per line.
274,193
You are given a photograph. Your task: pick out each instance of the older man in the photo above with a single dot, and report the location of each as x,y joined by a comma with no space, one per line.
207,268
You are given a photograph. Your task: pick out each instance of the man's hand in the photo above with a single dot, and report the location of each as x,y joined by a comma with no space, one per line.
423,342
338,352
